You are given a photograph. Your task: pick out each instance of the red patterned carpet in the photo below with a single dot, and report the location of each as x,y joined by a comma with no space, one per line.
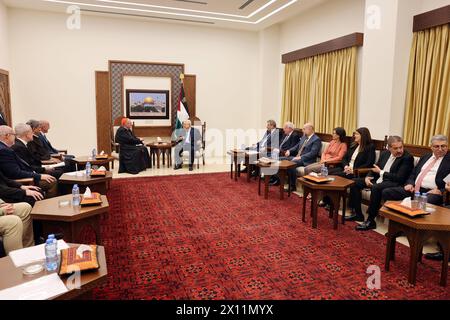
208,237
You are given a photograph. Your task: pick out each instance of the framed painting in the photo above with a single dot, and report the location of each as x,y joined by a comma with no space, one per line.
147,104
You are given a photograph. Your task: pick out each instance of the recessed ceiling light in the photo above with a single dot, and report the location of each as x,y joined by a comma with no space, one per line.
168,13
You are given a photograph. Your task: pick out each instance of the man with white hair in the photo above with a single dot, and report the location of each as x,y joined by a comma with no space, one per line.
15,168
187,139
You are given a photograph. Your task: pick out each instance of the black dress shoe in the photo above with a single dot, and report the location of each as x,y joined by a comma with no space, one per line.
436,256
274,181
368,225
355,217
191,168
178,166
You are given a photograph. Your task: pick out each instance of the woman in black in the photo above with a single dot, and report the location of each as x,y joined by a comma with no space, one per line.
360,155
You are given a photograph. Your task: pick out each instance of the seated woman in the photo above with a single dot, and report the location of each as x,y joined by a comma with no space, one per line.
360,155
133,156
334,152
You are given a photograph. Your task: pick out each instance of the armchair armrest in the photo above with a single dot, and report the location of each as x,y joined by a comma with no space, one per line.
332,164
51,161
62,151
26,181
360,172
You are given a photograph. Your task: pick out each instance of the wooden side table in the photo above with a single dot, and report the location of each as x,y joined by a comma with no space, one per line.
417,231
335,190
81,162
279,168
158,149
96,184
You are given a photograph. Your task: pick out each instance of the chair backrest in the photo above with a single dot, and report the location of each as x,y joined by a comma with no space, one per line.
197,123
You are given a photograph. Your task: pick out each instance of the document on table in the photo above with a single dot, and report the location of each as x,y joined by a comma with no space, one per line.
76,173
26,256
56,165
42,288
447,179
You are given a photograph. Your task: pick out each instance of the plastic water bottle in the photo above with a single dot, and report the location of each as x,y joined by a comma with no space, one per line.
423,201
275,154
88,169
94,153
324,171
51,254
75,195
417,196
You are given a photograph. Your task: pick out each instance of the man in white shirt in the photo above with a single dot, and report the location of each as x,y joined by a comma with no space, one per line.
392,170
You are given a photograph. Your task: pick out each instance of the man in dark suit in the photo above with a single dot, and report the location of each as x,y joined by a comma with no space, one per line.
15,168
187,139
304,153
24,136
289,140
392,169
428,175
45,126
133,156
269,141
36,146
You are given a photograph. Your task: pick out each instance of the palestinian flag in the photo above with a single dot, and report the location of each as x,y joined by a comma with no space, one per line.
182,111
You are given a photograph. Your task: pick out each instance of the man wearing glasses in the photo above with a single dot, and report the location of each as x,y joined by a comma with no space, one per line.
428,175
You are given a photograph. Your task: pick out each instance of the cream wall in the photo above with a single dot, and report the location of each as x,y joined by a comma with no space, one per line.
53,69
4,45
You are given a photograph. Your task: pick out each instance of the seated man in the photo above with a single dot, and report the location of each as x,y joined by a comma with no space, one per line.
13,192
447,188
16,226
304,153
133,156
24,136
289,140
15,168
188,139
392,170
45,126
35,145
428,176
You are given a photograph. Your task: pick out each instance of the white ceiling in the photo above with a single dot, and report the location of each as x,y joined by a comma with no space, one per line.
238,14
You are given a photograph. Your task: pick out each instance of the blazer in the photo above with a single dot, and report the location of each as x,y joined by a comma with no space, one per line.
47,144
400,169
25,154
443,171
38,150
310,151
10,189
364,159
13,167
291,142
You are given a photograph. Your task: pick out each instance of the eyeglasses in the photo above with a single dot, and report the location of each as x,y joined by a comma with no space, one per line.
444,146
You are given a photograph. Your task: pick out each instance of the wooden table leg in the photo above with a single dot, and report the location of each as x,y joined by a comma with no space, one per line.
344,205
266,186
444,272
282,176
259,185
305,196
163,157
158,155
314,208
231,170
415,243
247,163
236,169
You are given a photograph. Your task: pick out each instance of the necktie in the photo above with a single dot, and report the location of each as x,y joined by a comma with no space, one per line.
302,147
284,141
423,174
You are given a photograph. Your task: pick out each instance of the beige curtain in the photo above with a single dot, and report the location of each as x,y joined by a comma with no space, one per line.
297,92
335,91
322,90
428,95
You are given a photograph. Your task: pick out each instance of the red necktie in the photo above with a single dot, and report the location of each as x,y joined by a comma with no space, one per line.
423,174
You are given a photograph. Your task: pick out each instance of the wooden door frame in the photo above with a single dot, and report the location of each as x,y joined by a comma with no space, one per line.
8,112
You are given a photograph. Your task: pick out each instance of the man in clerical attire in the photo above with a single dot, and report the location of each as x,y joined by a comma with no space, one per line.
188,139
133,156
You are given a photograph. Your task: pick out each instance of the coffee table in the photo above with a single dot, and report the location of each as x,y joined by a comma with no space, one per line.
164,148
96,184
418,230
11,276
69,220
278,168
335,190
80,162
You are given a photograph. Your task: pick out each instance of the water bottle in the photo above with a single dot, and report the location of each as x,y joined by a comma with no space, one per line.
324,171
417,196
423,201
275,154
75,195
94,153
88,169
51,254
